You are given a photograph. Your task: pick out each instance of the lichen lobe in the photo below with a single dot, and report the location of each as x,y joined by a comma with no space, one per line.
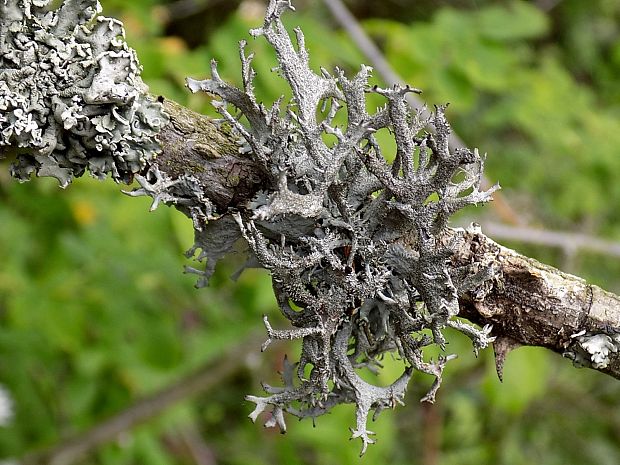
71,97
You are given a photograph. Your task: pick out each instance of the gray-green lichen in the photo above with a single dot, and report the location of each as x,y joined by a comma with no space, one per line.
71,97
593,349
358,248
184,192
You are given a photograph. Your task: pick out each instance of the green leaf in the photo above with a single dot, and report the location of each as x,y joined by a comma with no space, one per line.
517,20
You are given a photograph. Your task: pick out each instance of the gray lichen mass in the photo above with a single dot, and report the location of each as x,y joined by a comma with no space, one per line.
71,97
357,248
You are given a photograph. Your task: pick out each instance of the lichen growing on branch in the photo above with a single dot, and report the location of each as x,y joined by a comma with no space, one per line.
71,97
357,247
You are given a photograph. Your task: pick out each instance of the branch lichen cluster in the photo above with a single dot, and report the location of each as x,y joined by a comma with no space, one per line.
71,97
358,248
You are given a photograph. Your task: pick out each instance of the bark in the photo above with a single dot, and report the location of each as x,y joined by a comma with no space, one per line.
535,304
193,144
530,304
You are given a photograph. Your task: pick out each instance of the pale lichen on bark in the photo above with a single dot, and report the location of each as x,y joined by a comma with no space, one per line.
362,260
71,97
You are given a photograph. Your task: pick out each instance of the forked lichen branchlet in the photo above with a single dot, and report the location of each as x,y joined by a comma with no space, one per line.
357,247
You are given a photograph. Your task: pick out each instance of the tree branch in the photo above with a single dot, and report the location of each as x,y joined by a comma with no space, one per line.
567,241
537,305
532,303
193,144
359,249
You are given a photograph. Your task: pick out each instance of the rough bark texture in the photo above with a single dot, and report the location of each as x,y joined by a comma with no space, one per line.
531,304
194,145
537,305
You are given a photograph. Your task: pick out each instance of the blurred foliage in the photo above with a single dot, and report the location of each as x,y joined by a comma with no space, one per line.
95,311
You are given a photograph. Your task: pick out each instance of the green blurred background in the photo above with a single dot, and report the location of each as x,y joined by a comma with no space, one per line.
95,312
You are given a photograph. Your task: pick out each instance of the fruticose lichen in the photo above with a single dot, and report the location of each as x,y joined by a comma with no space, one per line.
71,97
358,248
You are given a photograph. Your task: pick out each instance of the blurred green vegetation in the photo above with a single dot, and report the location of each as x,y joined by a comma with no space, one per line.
95,311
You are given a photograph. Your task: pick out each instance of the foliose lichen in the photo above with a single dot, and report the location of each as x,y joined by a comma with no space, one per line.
71,97
358,248
593,349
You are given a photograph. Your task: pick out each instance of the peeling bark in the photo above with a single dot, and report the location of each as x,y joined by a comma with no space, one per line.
535,304
360,245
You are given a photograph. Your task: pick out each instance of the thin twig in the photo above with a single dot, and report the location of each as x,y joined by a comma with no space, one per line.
547,5
199,451
569,242
344,17
213,373
184,8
